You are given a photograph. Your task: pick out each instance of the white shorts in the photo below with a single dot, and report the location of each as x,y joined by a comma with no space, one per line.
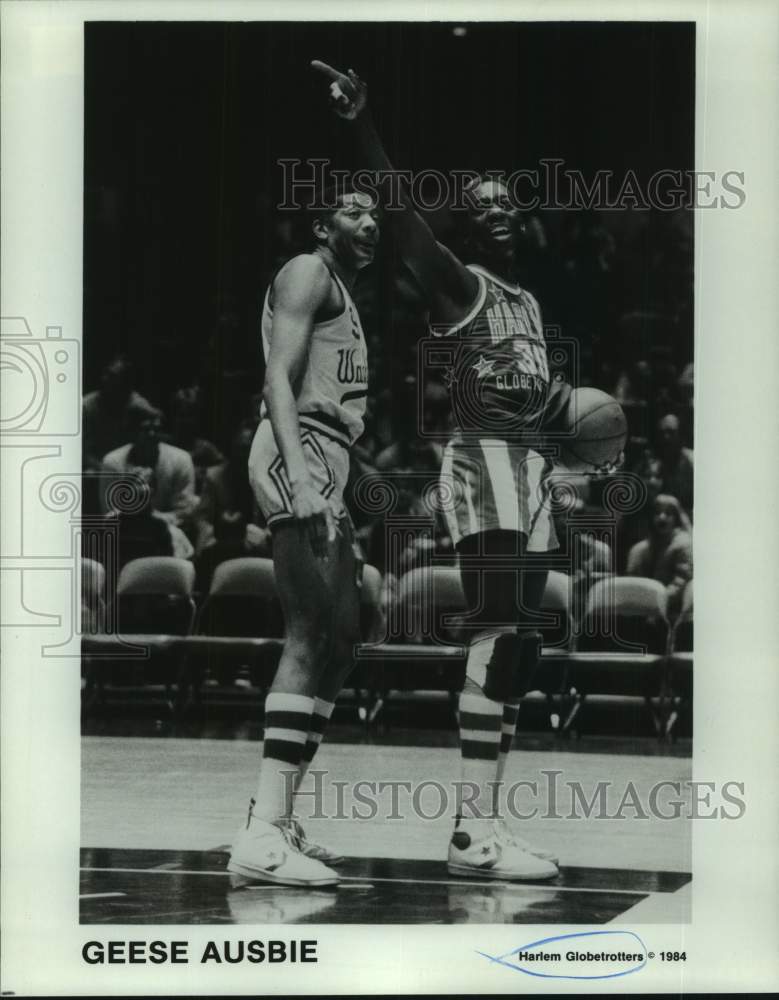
327,461
489,484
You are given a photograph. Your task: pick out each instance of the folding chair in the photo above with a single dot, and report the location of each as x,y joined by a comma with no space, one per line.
92,585
621,644
371,624
93,618
422,624
242,602
153,597
679,676
557,628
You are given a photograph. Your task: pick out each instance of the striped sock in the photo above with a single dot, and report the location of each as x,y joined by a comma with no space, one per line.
507,730
319,720
287,722
480,730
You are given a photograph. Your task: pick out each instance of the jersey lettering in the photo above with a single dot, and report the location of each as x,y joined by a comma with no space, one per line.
348,371
500,379
337,358
531,358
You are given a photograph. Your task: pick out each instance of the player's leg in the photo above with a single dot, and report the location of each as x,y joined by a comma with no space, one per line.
346,580
305,588
262,849
504,647
532,584
487,517
502,658
530,471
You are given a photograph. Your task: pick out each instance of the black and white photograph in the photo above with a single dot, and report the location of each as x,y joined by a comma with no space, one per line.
377,452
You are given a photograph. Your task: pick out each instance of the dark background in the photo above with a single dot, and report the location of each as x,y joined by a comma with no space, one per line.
185,123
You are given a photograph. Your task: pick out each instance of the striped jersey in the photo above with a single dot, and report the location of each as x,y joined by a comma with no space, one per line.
499,377
332,394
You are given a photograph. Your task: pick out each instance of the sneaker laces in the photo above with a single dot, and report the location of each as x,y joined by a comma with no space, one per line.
293,833
290,829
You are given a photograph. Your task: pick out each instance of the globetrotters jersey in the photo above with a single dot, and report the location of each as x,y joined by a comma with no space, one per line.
499,382
332,392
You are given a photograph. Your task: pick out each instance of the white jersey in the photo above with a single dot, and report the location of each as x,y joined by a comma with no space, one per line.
332,395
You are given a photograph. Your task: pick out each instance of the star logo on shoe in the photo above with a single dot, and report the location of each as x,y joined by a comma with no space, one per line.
275,860
483,367
492,854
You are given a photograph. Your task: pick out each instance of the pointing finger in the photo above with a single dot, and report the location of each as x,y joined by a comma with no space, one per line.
333,74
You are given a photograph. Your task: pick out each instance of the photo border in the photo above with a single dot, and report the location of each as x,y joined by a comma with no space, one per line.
731,943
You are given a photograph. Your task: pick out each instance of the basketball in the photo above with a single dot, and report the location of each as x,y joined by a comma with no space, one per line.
595,428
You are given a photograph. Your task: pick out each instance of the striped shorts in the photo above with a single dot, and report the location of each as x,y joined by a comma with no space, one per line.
489,484
328,464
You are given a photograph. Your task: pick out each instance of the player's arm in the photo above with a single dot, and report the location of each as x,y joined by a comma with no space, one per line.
449,286
301,288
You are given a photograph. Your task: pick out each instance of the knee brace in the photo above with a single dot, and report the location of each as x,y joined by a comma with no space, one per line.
498,678
511,667
529,656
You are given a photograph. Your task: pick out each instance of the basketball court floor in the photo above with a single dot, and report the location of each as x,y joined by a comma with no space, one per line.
160,810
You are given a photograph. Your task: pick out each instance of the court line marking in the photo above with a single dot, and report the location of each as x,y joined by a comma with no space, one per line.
296,888
460,883
100,895
646,910
465,883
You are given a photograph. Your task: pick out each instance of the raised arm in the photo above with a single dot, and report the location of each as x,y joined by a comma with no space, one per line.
300,289
448,285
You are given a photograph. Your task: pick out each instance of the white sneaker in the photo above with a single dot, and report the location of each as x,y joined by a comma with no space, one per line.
505,832
318,852
491,856
262,853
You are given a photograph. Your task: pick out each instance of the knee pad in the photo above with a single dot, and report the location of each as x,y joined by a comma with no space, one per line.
501,667
512,666
529,656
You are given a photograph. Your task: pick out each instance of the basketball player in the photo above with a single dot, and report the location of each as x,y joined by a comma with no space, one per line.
501,391
313,404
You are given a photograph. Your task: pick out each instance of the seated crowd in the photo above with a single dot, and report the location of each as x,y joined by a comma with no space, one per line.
175,493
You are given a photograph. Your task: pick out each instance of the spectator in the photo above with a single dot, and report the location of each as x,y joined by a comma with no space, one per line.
166,470
141,534
666,554
676,462
107,413
634,385
686,384
228,542
226,493
186,418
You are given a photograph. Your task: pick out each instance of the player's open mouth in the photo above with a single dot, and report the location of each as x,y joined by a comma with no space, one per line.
500,231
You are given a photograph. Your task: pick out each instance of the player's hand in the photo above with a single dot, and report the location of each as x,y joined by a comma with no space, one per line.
144,472
609,468
315,516
348,93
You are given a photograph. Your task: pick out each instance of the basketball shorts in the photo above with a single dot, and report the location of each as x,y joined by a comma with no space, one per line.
328,464
488,484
